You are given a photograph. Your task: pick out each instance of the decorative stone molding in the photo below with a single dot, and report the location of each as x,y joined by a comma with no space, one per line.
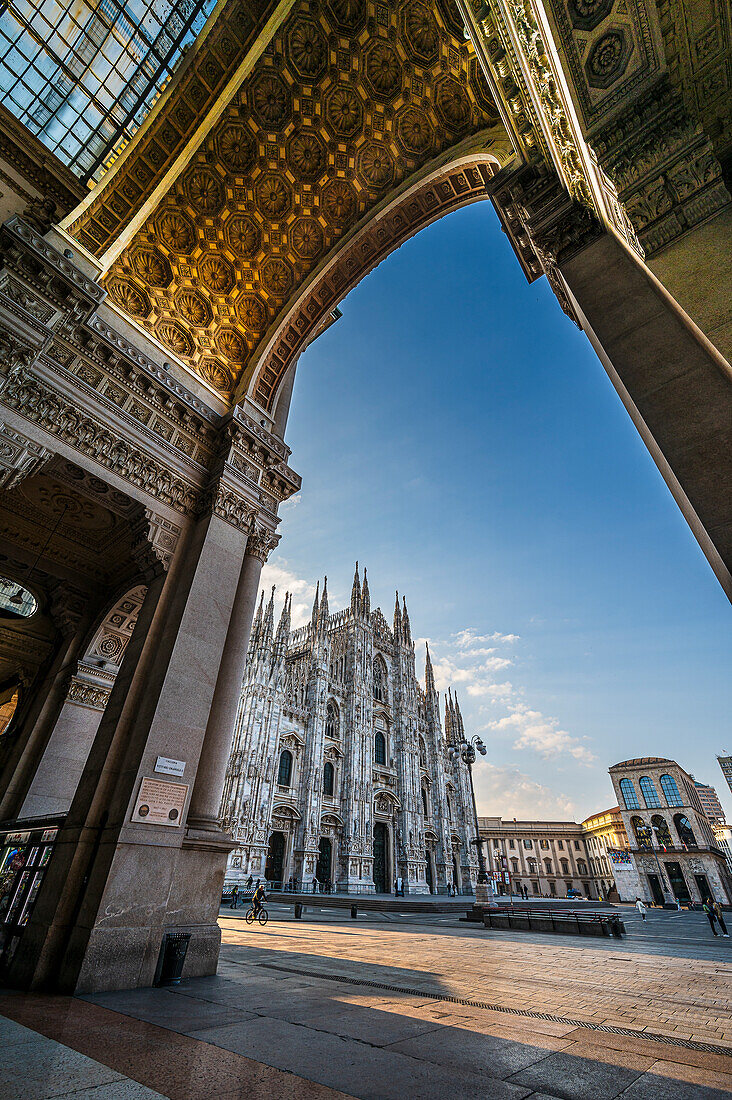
84,694
261,543
67,606
41,405
664,167
20,457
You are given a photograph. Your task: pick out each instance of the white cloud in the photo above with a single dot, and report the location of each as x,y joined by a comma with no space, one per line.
468,640
509,793
302,591
542,734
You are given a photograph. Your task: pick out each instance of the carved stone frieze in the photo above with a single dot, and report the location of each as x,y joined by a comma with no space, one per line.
20,457
667,175
84,694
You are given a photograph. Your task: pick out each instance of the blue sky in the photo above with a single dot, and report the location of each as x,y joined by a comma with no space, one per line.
457,435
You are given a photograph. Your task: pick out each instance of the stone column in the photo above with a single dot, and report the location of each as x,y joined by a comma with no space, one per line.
206,797
75,614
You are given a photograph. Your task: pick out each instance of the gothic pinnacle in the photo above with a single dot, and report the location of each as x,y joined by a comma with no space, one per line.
365,597
429,677
257,626
268,624
405,623
397,620
316,605
324,605
356,593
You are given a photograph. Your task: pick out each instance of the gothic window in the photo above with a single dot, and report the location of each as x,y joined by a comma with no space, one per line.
548,865
379,681
661,829
650,794
331,720
686,833
284,775
422,752
671,791
379,748
425,802
629,796
450,808
641,831
328,779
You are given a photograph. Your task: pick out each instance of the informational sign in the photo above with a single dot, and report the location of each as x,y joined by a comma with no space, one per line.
169,766
160,803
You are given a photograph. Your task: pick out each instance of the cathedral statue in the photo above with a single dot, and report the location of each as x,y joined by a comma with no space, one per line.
331,710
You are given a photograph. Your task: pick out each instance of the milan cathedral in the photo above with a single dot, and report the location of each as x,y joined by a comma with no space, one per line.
339,769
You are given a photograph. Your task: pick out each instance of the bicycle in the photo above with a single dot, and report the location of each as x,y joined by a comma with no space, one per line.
262,916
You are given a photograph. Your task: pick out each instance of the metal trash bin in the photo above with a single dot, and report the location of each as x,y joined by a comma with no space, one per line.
175,948
354,912
298,910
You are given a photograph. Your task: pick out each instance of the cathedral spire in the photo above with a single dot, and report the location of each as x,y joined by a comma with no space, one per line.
365,597
429,676
316,605
406,627
257,625
283,629
268,623
397,620
356,593
324,605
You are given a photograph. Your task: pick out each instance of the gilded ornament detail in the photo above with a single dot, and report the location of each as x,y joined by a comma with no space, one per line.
421,32
204,190
384,70
274,196
271,101
175,338
339,201
176,231
232,345
415,131
217,274
236,147
307,49
243,235
217,375
306,155
306,238
193,308
251,313
151,266
129,297
453,104
277,277
376,165
344,111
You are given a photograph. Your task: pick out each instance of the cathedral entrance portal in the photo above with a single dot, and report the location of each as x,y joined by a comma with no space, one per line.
325,861
381,858
274,866
428,872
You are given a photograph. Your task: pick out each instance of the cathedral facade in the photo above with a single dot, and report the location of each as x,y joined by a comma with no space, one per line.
339,769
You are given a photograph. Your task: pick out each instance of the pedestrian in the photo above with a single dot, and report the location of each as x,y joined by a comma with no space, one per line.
234,896
315,885
640,907
708,908
400,886
678,906
718,912
250,880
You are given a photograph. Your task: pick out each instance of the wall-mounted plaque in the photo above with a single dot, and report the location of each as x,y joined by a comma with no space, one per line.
169,766
160,803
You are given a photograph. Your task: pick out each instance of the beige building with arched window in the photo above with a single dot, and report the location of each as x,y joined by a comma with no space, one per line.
672,843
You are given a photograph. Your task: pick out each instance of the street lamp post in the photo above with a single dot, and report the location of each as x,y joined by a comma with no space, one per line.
465,750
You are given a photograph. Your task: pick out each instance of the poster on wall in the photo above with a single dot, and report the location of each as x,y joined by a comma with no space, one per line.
160,803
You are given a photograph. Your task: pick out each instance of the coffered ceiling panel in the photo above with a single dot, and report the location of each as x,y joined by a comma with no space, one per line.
350,99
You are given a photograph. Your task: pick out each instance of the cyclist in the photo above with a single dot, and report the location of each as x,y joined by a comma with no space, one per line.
259,899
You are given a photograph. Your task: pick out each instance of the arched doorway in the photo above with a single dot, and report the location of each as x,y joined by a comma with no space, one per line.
274,866
428,871
381,859
325,861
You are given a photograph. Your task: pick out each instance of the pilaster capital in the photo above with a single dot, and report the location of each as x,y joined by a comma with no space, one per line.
67,607
261,543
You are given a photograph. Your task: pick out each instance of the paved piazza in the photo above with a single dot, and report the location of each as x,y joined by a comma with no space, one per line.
398,1006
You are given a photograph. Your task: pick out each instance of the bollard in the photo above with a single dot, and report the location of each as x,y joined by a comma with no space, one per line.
616,927
354,912
298,910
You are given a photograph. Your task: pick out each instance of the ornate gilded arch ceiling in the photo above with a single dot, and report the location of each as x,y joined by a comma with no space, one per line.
351,103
